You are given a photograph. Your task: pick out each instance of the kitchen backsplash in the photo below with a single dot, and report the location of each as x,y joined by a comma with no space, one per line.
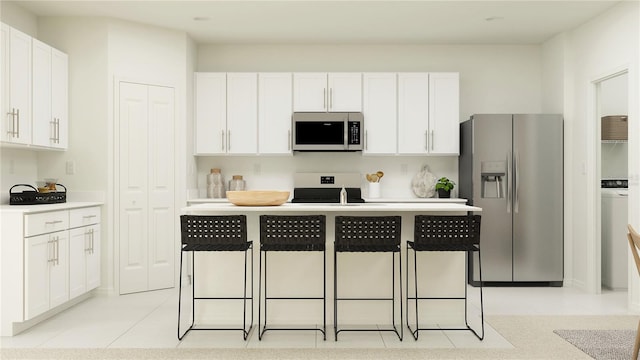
276,173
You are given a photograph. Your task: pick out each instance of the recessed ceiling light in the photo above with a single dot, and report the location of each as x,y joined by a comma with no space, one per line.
493,18
201,18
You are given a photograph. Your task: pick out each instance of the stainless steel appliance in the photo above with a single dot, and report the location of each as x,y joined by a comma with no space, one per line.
321,131
326,187
512,167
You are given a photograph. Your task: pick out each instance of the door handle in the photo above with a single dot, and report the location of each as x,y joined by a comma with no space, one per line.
222,140
18,122
516,175
432,145
228,140
51,251
330,98
509,181
426,140
53,130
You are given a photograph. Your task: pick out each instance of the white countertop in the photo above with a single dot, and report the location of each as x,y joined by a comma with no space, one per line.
26,209
226,207
367,200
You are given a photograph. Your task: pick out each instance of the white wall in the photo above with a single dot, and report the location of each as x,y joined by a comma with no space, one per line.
599,48
19,18
493,79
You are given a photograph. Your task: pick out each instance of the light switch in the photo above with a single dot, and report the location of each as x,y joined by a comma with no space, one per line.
71,167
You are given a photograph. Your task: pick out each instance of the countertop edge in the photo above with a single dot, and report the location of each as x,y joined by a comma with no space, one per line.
27,209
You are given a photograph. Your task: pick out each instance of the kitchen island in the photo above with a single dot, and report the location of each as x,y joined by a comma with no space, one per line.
441,274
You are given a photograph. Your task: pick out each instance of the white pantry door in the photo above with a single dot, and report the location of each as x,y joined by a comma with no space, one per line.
146,187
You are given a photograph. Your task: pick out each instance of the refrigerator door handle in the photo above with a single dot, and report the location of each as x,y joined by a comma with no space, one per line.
509,182
516,202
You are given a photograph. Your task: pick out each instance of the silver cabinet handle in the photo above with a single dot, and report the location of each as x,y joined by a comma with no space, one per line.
51,256
57,130
331,98
87,242
222,140
57,250
53,222
366,139
509,180
289,138
426,140
53,130
92,249
516,175
228,140
324,98
12,132
432,141
89,216
18,123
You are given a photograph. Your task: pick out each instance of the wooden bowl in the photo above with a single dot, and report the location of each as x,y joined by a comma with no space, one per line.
257,197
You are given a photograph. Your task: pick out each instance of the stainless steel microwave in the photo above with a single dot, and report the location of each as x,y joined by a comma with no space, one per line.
324,131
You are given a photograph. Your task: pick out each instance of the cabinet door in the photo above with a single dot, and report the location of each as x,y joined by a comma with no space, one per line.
413,113
242,113
44,127
275,97
60,98
211,113
310,92
19,125
39,255
59,270
84,260
444,113
345,92
93,258
379,109
5,122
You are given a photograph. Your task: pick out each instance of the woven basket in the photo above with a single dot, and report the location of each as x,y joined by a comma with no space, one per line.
614,127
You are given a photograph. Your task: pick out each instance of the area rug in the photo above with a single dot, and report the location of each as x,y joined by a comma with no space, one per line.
601,344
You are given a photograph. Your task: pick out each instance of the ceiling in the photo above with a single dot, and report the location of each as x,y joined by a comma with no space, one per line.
348,22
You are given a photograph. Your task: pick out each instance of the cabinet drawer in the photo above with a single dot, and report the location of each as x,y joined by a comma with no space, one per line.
42,223
84,216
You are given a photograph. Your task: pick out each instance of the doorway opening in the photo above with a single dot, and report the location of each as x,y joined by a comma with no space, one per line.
612,169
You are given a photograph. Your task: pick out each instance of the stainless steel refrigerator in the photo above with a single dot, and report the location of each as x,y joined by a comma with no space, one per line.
512,167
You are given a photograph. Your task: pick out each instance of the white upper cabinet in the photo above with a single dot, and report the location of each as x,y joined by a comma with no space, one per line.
242,113
34,80
428,113
413,113
333,92
275,104
226,113
444,113
211,113
44,127
60,98
16,124
380,113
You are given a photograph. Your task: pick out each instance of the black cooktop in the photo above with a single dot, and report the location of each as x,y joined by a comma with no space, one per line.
614,183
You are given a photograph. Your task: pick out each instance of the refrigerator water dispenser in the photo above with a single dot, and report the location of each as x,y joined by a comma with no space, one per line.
492,175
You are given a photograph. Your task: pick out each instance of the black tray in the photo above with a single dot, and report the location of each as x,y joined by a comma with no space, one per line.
33,197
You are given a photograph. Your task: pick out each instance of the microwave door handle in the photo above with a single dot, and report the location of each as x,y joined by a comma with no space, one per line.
346,135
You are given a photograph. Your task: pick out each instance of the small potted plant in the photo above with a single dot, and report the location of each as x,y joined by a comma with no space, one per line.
444,187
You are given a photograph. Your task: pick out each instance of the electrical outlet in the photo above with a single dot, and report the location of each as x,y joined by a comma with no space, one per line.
71,167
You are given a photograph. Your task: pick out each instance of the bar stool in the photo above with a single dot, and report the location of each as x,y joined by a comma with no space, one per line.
291,233
445,233
370,234
215,233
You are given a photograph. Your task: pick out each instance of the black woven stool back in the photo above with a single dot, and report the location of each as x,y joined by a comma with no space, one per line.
214,233
368,233
292,233
447,233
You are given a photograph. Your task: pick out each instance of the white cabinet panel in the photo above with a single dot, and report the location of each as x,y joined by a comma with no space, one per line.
380,112
84,260
84,216
16,127
334,92
413,113
211,113
275,104
46,222
345,92
4,80
47,271
43,125
60,98
310,92
444,113
242,113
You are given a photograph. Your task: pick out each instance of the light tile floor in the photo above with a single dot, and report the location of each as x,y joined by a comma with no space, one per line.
148,320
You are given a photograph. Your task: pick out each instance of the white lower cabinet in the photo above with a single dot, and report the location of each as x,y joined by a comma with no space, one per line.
46,272
84,260
47,258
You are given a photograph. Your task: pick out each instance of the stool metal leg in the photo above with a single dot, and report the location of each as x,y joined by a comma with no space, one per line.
415,333
335,294
181,336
